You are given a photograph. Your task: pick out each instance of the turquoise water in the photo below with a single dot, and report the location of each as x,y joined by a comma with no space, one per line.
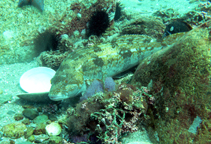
42,33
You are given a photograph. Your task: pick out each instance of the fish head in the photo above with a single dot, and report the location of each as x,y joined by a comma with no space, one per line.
66,86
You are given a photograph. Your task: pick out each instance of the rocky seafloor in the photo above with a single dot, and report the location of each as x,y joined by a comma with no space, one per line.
165,97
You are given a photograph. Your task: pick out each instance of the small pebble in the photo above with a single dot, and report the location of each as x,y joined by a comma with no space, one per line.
26,121
41,119
30,113
40,129
18,117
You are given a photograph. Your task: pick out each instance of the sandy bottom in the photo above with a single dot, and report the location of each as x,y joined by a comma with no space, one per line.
10,104
9,87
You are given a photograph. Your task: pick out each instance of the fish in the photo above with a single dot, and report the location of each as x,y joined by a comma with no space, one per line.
176,27
108,59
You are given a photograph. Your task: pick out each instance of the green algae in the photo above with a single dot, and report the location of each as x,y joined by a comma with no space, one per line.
181,76
14,130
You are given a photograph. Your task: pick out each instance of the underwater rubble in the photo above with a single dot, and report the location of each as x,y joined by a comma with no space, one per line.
168,95
105,117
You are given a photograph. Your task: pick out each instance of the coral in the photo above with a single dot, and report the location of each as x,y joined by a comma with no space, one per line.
180,76
106,116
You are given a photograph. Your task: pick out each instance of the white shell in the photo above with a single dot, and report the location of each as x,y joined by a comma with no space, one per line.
37,80
53,129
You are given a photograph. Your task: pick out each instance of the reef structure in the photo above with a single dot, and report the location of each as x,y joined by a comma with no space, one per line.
179,76
104,117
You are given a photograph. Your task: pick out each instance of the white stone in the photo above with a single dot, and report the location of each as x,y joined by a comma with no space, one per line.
53,129
37,80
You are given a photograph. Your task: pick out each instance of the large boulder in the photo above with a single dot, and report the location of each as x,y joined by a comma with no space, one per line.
179,77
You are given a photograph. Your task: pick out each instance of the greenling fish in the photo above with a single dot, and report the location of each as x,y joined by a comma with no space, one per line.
104,60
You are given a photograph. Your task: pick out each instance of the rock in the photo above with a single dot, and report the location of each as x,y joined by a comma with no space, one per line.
52,117
30,113
31,138
41,138
55,140
26,121
14,130
12,142
53,129
39,109
18,117
29,132
41,119
40,129
5,142
179,77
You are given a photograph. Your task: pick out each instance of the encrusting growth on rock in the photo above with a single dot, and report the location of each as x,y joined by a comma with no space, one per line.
180,76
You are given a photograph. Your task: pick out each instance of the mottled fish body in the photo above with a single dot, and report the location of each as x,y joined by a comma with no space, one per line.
104,60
